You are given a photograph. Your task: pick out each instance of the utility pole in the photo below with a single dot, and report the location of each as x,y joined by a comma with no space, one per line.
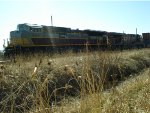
4,44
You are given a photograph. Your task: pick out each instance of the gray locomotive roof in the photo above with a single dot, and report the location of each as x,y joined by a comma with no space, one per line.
33,25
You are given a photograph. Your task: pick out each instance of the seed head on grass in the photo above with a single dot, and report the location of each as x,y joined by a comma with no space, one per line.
69,70
34,71
50,61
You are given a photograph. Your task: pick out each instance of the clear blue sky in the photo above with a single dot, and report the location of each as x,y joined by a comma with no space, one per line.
117,16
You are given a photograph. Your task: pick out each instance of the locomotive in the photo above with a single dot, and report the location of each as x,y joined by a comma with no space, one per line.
33,37
146,39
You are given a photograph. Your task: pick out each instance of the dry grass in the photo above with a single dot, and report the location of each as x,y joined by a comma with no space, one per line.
76,83
131,96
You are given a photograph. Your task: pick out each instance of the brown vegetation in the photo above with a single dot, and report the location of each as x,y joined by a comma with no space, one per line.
51,83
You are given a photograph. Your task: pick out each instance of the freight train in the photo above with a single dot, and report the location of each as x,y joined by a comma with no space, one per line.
33,37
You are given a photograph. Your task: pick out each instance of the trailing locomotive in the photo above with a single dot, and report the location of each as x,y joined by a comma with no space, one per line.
146,39
33,37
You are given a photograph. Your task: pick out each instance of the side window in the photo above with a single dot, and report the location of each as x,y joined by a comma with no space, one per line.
31,29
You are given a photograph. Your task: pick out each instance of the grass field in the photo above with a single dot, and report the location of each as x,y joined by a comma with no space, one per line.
90,82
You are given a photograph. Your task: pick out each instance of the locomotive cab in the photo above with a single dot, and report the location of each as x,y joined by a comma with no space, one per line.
22,36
